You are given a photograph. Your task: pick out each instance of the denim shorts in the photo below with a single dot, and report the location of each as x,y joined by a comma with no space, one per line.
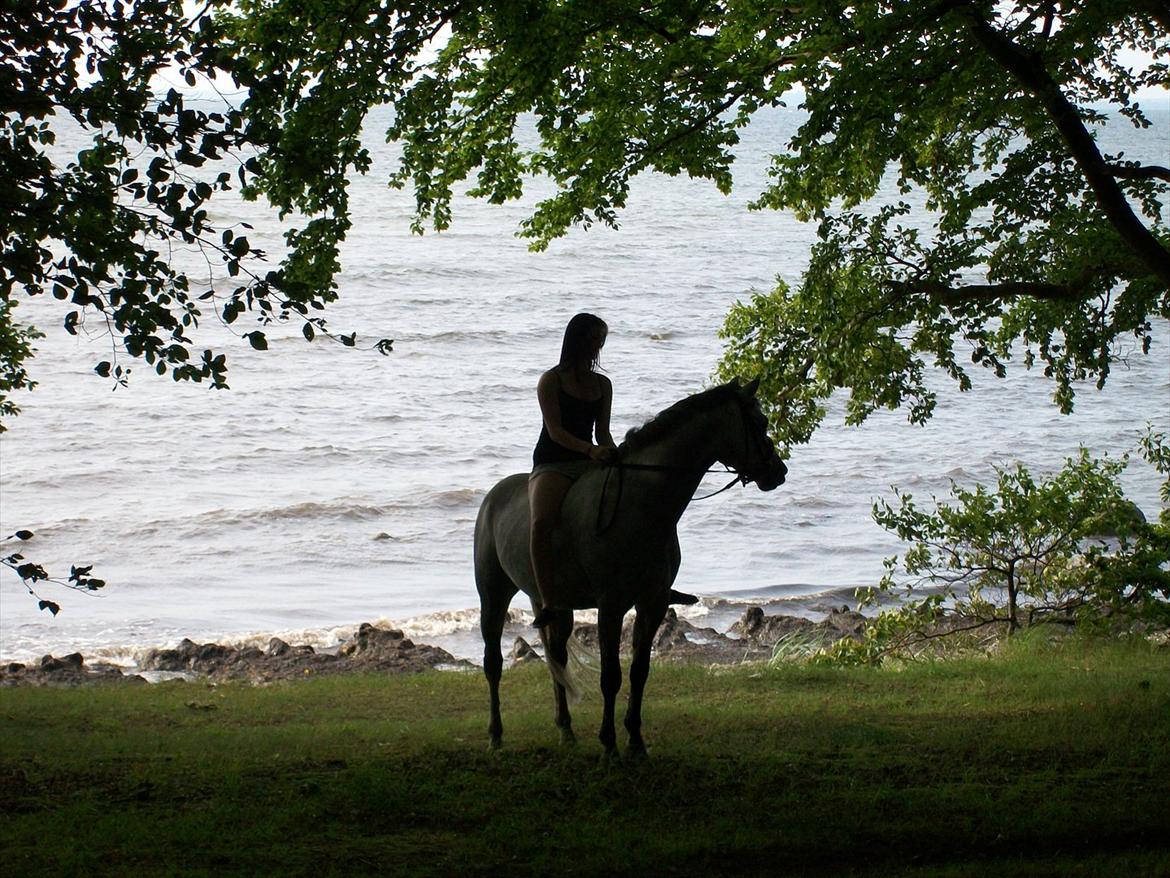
572,469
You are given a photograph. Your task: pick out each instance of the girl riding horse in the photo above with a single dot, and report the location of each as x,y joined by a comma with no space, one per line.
575,401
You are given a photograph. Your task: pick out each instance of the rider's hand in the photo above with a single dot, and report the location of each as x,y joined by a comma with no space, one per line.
604,453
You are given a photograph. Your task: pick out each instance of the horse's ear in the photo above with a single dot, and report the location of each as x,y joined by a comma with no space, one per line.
752,387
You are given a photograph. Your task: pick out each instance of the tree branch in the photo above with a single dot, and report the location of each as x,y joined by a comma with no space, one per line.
1139,172
991,292
961,629
707,118
1030,73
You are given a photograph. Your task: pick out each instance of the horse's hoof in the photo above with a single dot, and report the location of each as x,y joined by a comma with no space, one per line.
636,752
568,739
494,744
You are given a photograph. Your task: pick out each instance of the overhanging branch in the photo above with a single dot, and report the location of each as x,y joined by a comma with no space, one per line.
1140,172
1028,70
713,113
948,295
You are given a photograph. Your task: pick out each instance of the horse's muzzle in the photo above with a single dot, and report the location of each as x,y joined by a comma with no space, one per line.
772,476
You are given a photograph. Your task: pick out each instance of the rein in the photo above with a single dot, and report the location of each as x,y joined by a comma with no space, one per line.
658,467
602,527
666,467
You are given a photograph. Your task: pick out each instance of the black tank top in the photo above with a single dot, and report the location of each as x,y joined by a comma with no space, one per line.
579,416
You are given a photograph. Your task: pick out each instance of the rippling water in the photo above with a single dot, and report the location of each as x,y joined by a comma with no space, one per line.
333,486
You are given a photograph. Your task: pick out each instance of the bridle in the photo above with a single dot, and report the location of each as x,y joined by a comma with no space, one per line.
740,477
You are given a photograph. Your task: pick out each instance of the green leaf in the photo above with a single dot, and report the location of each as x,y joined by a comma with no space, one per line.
32,572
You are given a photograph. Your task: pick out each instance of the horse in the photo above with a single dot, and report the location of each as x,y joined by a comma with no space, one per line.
616,544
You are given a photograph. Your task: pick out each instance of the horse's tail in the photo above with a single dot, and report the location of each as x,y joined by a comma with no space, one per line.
581,660
583,663
563,676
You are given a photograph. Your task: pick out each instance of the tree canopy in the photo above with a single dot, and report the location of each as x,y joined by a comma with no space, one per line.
100,231
985,112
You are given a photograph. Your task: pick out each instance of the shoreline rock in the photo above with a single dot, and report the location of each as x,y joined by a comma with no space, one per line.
67,670
372,650
388,650
837,624
754,637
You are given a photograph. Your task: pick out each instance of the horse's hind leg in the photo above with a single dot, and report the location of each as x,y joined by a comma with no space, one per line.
556,649
646,623
495,593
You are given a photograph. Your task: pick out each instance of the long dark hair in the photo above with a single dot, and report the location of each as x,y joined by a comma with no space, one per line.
577,348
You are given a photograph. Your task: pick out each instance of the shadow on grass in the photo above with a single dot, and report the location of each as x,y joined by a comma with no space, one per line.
1042,768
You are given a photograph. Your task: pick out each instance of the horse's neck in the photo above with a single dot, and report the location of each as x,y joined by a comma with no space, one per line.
688,451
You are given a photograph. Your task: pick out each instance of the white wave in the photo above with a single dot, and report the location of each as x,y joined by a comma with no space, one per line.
454,498
442,623
308,511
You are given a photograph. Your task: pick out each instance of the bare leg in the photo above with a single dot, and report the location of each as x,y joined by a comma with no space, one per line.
646,623
546,493
609,635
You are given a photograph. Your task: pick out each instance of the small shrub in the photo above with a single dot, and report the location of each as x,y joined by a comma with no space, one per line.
1070,548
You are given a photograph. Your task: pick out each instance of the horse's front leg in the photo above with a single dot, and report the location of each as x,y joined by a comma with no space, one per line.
646,624
609,637
556,649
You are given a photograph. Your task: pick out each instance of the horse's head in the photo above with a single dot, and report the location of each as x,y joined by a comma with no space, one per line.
755,458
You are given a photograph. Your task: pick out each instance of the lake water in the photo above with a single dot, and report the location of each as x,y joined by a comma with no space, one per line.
331,486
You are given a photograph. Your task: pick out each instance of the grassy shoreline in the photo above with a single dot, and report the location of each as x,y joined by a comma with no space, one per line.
1044,760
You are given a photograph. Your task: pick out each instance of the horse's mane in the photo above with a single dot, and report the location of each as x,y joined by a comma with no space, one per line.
666,420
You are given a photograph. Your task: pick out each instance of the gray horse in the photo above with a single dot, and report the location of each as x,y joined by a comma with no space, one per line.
617,543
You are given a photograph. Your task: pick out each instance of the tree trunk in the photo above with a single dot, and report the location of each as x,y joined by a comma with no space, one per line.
1013,623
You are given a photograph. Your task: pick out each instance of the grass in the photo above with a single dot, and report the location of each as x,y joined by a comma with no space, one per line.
1041,761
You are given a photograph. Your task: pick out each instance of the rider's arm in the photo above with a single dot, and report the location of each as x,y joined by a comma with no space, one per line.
604,438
